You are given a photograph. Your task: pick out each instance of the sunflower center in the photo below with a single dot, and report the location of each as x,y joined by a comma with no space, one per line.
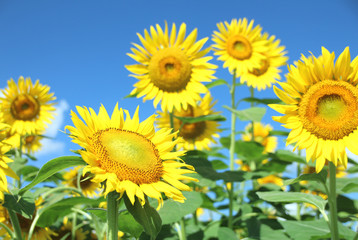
129,155
239,47
25,107
192,130
170,69
264,65
329,109
30,139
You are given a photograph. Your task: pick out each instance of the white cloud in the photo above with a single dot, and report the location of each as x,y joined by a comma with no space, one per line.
56,124
51,145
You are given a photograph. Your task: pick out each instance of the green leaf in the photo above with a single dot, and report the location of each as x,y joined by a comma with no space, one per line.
131,95
317,177
210,117
23,205
127,223
347,185
51,167
225,233
203,167
211,230
145,215
173,211
317,229
278,133
249,151
101,213
262,101
290,197
50,213
250,114
217,82
219,165
287,156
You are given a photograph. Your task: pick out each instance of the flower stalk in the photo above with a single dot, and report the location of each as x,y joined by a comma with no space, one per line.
15,224
232,150
112,216
332,200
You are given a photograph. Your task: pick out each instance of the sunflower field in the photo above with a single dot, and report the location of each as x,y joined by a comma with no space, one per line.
197,167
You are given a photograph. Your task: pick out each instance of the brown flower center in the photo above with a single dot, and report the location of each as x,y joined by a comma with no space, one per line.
239,47
25,107
170,69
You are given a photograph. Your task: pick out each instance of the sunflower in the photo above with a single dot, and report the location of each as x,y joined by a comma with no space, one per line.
130,156
261,135
271,179
66,228
32,143
171,68
26,106
315,193
269,71
88,187
5,170
240,45
321,107
197,135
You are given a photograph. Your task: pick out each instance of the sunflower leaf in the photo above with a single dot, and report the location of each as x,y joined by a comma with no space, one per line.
51,167
250,114
293,197
127,223
217,82
23,205
145,215
262,101
318,177
210,117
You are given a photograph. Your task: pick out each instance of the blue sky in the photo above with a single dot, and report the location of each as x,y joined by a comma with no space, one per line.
79,48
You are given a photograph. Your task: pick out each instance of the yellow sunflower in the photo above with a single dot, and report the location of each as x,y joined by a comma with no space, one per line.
89,188
321,107
26,106
271,179
32,143
240,46
171,67
261,135
5,170
316,193
269,71
130,156
66,228
199,135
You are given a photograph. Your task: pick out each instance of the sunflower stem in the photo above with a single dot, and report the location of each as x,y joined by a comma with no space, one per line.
332,200
182,229
112,215
252,93
232,150
15,224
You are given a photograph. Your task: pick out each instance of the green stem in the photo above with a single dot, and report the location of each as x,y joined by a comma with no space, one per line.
332,200
74,222
112,216
252,93
232,150
15,224
182,229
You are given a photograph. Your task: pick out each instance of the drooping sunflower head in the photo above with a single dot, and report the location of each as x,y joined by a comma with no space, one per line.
321,108
171,68
268,72
199,135
74,178
240,46
27,107
261,135
128,156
